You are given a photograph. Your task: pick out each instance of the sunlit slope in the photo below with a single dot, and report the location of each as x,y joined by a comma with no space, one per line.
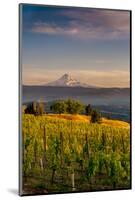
84,118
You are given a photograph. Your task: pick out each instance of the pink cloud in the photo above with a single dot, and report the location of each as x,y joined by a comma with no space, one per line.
53,29
97,24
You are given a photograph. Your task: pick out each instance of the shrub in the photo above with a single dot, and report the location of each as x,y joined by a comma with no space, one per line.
96,117
88,109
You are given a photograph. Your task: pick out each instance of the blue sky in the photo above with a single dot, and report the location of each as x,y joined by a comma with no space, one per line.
92,45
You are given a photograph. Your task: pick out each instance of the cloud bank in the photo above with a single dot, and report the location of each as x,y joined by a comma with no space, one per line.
91,24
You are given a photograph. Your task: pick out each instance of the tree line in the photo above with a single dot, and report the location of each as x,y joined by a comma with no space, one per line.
69,106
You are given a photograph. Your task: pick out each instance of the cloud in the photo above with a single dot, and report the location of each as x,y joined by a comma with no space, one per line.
92,24
53,29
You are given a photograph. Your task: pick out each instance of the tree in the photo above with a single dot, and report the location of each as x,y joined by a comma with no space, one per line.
29,109
36,108
88,109
96,117
59,107
74,107
41,108
34,104
68,106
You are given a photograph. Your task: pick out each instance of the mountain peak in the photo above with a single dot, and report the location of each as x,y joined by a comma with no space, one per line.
66,76
67,81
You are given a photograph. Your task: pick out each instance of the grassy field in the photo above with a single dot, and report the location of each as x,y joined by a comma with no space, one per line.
66,153
84,118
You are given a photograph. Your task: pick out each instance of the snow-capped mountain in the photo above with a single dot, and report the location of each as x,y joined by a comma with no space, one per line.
67,80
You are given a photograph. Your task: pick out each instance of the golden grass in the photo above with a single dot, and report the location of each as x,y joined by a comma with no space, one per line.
70,117
115,123
84,118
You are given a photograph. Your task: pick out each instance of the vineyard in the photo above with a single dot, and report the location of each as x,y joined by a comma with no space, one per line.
65,155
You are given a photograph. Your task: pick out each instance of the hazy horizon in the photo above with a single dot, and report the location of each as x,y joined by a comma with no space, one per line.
77,78
92,45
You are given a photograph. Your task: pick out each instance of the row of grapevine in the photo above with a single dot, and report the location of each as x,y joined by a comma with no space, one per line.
70,155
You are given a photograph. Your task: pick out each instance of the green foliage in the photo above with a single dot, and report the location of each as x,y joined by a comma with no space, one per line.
74,107
29,109
59,107
91,169
91,150
88,109
68,106
36,108
40,108
115,170
96,117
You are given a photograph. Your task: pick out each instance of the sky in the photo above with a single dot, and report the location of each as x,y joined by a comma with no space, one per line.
91,45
